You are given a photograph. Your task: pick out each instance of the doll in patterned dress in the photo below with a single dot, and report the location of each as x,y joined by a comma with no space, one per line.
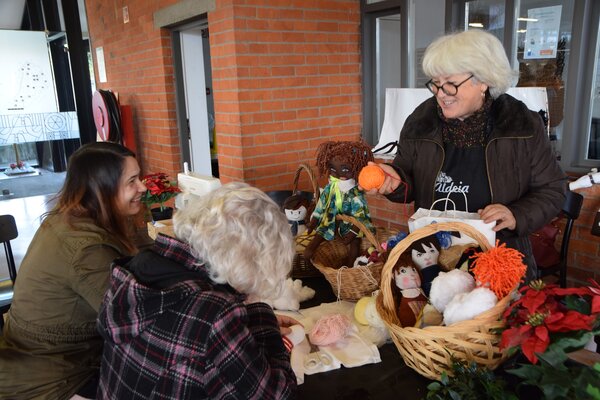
342,161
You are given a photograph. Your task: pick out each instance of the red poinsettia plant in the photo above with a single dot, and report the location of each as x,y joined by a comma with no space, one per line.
159,189
545,324
547,312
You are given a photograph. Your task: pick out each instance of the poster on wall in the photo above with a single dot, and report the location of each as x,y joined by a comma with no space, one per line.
26,78
541,38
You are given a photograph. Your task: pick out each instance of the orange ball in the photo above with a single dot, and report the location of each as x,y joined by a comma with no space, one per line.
371,177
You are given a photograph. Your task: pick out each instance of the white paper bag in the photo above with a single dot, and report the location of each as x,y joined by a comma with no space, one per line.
424,216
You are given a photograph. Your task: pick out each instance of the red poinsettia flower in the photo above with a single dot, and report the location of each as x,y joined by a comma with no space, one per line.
159,189
539,312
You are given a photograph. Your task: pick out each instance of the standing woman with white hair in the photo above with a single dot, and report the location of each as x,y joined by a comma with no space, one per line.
179,320
472,138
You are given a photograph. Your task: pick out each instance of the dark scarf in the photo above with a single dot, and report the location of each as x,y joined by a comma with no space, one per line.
470,132
295,225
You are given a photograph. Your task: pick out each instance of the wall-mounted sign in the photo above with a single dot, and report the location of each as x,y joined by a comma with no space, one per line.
101,66
541,38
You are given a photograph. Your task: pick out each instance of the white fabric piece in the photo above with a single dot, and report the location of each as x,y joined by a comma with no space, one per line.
345,185
353,351
401,102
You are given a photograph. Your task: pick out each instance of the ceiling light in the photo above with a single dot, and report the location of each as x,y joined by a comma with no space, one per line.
475,24
527,19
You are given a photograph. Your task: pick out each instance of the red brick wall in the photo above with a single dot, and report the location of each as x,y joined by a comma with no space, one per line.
139,68
286,77
584,257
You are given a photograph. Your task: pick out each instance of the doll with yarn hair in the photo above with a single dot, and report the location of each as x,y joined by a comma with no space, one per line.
342,161
406,290
425,253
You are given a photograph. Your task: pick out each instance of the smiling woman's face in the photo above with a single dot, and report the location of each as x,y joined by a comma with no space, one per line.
468,99
130,188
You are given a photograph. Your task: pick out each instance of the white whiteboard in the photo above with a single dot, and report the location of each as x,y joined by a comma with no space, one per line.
26,78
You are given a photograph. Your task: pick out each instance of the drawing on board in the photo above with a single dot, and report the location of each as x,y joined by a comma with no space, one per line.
26,79
38,127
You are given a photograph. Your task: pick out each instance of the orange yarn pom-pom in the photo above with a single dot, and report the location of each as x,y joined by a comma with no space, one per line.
371,177
500,269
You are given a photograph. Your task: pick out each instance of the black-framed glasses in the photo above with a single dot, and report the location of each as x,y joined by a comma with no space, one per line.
448,88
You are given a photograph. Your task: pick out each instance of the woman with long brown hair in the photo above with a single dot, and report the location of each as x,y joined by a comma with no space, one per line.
51,348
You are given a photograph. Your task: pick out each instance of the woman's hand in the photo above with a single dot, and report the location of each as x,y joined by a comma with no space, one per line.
501,214
285,322
391,182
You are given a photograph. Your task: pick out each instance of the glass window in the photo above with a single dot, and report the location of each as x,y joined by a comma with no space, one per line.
593,151
486,14
543,46
387,59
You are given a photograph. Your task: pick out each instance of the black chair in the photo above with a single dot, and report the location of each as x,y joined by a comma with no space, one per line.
8,232
570,212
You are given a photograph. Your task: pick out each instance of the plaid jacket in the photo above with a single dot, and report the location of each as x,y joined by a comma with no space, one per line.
172,333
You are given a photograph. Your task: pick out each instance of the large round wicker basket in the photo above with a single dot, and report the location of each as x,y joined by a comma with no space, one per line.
354,282
430,350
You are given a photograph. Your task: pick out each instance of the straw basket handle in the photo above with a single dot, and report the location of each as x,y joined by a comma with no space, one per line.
366,231
386,274
311,177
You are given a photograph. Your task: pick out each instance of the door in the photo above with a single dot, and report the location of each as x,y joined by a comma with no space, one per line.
194,84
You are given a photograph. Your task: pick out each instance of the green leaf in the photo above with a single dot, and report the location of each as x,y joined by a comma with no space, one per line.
531,373
593,391
574,341
579,304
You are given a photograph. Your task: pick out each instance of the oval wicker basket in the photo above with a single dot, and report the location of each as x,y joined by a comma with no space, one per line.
429,350
301,267
355,282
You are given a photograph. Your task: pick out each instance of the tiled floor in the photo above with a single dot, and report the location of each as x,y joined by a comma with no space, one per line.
27,212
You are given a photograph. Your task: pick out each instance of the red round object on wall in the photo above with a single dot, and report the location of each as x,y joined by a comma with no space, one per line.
101,119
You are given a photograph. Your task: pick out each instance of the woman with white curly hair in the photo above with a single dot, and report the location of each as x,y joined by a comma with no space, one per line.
179,320
471,137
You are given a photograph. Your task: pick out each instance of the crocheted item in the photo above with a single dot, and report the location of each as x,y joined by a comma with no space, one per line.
469,132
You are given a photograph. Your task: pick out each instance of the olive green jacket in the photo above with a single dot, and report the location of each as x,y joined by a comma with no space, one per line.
50,346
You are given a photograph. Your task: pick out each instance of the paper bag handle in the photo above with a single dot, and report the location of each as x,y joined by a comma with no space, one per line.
447,199
445,207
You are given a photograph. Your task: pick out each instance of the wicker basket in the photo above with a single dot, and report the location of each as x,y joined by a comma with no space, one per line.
429,350
303,268
350,283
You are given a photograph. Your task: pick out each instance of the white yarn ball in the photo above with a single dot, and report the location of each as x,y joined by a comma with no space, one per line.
465,306
447,285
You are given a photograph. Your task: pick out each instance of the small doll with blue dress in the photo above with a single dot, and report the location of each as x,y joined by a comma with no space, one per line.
342,161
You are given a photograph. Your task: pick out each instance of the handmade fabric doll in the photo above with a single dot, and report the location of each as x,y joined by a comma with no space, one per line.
425,253
406,290
342,161
295,208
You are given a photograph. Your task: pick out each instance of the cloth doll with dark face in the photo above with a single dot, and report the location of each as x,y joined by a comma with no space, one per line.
425,253
342,161
406,290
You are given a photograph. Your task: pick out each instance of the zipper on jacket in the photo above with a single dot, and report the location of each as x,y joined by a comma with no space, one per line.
487,166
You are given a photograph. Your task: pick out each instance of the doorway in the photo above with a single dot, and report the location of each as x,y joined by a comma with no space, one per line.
195,106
